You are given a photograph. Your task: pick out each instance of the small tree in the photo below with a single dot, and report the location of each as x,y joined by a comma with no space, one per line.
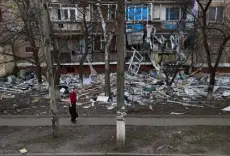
108,36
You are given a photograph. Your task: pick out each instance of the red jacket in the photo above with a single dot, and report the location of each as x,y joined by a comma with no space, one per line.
73,97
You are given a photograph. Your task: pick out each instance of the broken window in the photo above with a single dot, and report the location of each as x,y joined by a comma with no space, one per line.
216,14
59,14
138,12
112,11
97,43
172,13
113,44
72,15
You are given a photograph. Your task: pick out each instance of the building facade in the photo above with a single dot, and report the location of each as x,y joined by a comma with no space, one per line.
160,30
167,19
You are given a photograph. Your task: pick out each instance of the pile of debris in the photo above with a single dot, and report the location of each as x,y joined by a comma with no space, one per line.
147,89
24,82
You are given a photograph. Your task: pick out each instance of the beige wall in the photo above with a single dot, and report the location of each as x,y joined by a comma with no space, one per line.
6,68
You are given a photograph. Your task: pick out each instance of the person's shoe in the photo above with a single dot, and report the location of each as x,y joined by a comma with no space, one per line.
73,121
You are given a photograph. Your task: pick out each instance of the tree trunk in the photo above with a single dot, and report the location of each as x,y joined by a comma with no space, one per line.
81,72
211,84
45,23
53,104
81,66
107,78
56,88
107,41
56,70
39,77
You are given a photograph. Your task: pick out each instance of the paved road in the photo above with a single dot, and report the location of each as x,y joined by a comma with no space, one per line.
135,121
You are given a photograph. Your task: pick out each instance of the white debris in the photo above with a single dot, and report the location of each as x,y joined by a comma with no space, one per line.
227,109
23,151
103,98
226,93
173,113
62,90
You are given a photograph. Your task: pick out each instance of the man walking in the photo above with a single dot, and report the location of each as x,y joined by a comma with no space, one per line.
72,106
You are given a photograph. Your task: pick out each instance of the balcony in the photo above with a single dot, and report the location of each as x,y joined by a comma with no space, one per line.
95,57
160,25
66,27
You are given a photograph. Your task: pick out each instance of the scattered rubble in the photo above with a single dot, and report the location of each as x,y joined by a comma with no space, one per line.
144,89
148,89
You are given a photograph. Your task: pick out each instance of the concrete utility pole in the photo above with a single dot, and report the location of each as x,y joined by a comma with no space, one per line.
46,46
120,73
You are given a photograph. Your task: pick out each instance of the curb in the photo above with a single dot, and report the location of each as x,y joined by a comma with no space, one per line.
114,116
104,154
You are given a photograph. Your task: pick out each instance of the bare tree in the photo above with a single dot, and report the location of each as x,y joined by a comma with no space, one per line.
214,35
108,36
46,46
21,23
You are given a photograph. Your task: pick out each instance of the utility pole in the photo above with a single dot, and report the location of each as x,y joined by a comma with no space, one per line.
120,73
46,47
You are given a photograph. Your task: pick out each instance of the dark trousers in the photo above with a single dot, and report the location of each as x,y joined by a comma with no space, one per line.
73,112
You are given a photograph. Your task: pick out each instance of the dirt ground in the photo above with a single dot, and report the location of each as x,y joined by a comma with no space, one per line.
35,103
186,140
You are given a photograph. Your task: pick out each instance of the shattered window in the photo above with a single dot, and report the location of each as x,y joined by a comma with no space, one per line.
138,12
112,12
97,43
216,14
172,13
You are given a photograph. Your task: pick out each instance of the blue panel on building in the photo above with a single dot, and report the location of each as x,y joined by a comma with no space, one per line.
136,27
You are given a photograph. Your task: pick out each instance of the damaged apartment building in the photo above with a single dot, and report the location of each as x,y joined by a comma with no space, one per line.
160,31
149,25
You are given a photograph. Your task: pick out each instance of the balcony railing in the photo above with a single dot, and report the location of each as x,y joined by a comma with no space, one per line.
95,57
66,26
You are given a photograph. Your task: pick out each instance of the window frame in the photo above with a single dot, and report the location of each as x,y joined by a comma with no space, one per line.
179,16
109,11
62,11
216,14
101,43
135,6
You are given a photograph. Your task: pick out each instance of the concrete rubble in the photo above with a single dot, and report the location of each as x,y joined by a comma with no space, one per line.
148,89
144,89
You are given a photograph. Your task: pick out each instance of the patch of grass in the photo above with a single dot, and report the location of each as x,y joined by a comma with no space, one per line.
210,135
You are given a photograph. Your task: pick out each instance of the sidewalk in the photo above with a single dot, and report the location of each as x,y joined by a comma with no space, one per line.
109,154
132,121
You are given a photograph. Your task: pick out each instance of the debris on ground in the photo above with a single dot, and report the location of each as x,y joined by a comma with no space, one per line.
23,151
142,89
